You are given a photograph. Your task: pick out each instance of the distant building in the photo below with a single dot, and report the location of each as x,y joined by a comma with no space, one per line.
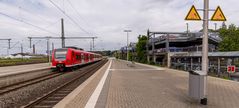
123,50
23,55
164,45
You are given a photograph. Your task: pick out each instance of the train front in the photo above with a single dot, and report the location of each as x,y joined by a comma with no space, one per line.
59,59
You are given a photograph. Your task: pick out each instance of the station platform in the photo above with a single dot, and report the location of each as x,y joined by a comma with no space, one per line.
118,85
10,70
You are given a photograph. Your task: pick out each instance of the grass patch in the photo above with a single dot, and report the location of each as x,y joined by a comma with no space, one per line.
20,61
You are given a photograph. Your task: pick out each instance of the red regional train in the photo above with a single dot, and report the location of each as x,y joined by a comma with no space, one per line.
63,58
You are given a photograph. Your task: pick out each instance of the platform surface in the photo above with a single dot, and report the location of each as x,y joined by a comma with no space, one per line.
144,86
8,70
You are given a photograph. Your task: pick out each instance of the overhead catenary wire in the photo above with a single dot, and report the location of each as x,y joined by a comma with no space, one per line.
62,11
40,28
82,18
73,7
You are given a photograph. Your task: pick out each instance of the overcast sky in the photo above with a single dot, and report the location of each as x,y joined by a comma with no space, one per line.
105,19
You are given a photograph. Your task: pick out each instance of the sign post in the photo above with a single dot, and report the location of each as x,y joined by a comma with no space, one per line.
231,69
217,16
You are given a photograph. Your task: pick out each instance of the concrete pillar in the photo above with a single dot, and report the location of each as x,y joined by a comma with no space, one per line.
199,61
154,58
191,63
153,48
167,44
218,66
168,60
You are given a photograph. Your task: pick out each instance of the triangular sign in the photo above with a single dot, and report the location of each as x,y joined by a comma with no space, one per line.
218,15
193,14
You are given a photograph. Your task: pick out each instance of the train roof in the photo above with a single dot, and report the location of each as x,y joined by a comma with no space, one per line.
77,49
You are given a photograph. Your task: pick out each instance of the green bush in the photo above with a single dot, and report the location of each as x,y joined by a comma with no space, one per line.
20,61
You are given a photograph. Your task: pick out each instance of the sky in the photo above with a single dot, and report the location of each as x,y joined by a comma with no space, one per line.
105,19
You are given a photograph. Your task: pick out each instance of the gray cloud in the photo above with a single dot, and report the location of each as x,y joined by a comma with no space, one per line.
104,18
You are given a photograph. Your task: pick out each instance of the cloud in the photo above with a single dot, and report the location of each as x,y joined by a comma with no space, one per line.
105,19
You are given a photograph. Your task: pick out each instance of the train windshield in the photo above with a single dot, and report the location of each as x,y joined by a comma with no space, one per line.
60,54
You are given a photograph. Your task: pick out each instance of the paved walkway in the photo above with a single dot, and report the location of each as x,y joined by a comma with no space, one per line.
143,86
8,70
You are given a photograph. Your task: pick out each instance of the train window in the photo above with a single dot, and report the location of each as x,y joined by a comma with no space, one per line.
78,57
60,54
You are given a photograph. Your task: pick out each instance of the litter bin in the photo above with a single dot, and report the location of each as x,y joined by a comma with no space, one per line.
197,86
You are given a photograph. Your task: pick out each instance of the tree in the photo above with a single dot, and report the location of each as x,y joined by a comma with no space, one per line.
230,38
141,49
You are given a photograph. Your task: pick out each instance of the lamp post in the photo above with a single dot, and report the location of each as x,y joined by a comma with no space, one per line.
127,48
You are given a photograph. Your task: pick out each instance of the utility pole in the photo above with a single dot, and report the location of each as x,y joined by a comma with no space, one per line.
9,45
90,47
9,42
153,48
205,45
127,48
52,46
48,50
62,34
21,48
93,47
30,39
33,49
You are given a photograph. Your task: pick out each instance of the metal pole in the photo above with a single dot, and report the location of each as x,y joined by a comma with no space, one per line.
127,46
30,42
93,47
48,50
205,44
52,46
90,47
9,43
21,48
33,49
62,34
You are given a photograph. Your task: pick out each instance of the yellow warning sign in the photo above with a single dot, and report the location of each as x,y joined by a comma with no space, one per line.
218,15
193,14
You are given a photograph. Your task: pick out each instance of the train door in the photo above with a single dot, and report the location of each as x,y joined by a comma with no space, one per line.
86,58
82,58
73,57
78,58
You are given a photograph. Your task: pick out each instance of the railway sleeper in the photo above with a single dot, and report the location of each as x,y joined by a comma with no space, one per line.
45,106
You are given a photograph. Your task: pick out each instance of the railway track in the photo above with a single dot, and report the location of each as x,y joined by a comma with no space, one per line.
21,84
51,98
